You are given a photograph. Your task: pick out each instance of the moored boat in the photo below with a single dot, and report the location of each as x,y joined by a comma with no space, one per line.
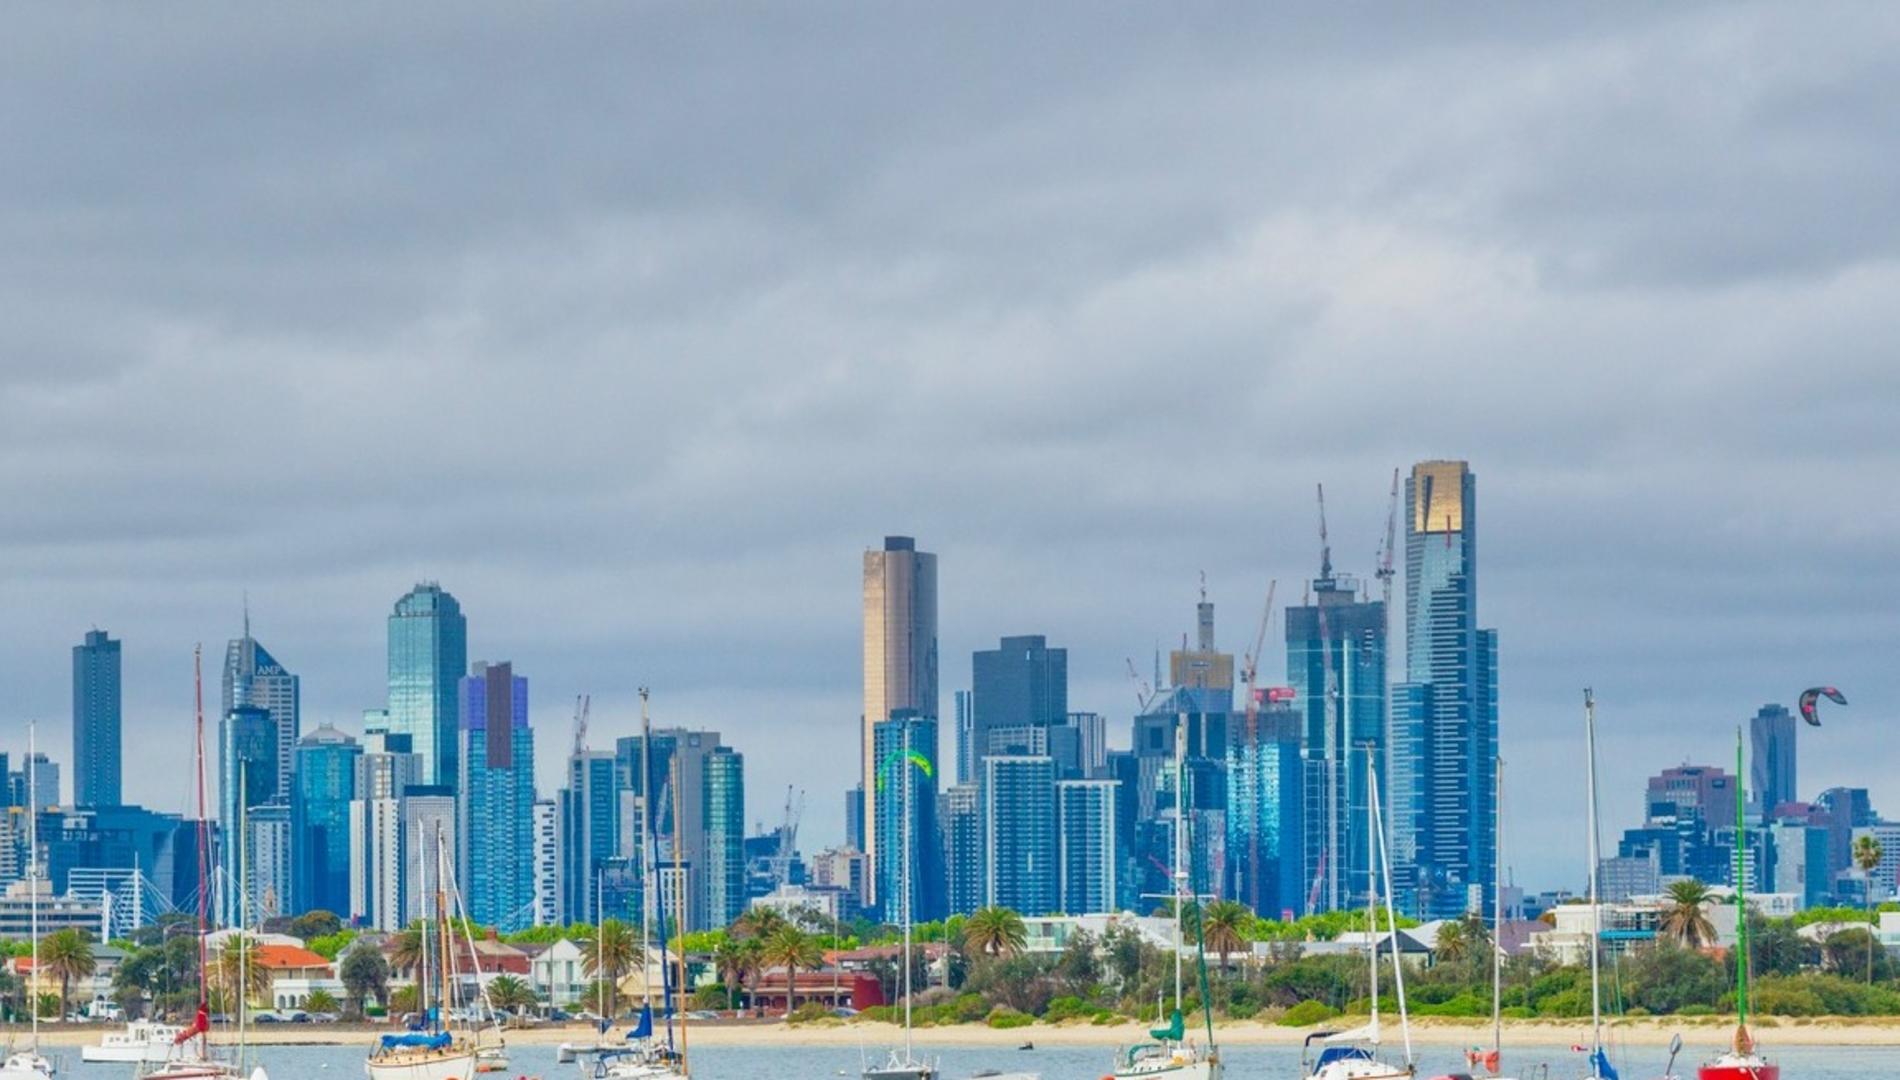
141,1041
1742,1060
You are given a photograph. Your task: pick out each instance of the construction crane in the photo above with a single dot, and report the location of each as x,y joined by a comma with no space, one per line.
1249,675
582,705
788,836
1144,693
1385,573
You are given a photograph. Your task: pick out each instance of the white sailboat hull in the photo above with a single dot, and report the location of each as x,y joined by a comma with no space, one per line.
458,1065
1171,1069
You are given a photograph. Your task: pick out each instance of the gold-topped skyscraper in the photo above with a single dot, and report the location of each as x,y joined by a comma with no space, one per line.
900,658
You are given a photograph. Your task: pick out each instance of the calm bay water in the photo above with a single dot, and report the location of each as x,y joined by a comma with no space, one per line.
1057,1063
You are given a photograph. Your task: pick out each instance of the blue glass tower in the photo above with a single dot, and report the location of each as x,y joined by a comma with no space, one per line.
1444,798
1021,868
252,676
320,821
1022,683
96,720
907,773
724,812
591,836
963,848
1266,833
1090,853
496,798
247,779
428,651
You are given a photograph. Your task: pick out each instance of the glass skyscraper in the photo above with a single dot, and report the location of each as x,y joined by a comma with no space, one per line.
1020,684
428,651
252,676
96,721
247,779
1089,850
906,746
325,783
1021,868
900,658
590,832
1266,822
963,848
1771,762
724,861
677,753
496,798
1444,797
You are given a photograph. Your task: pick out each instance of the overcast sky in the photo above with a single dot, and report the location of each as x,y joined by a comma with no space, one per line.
635,324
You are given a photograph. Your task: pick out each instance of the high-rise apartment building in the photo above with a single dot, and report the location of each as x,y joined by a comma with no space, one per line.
324,786
253,677
496,797
428,652
1266,833
385,771
1335,661
1771,761
590,829
1088,851
547,864
428,834
1021,854
268,864
904,806
1091,740
723,865
963,848
1445,740
677,760
96,721
247,780
1021,683
900,656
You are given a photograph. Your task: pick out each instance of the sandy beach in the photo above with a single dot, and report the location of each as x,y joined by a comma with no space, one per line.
1700,1031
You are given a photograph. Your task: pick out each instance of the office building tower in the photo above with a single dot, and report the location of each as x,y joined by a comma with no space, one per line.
268,864
900,657
1771,761
854,817
1091,742
1061,742
428,651
96,720
1799,853
323,787
1021,683
1335,661
385,771
1021,870
966,737
547,863
39,782
906,776
247,760
1125,767
1266,833
428,830
963,848
723,898
1088,850
590,815
841,868
254,678
1446,736
678,755
496,797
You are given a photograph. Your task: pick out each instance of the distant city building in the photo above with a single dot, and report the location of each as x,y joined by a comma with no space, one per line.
268,863
1091,739
547,864
96,721
963,848
844,868
253,677
678,755
1089,851
967,751
723,865
38,781
1683,806
496,797
1771,761
323,788
385,771
828,901
1203,697
1266,802
428,833
900,659
1446,736
428,652
1022,683
1799,851
247,760
854,816
1021,870
906,775
590,820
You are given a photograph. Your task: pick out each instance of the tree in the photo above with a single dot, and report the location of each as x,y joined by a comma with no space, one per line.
791,949
321,1001
511,993
315,924
737,960
1684,921
67,955
364,973
1453,945
608,955
1224,926
242,980
995,932
405,953
404,999
1664,977
759,923
1867,856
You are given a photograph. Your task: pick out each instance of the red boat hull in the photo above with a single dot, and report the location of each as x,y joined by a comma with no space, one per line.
1764,1071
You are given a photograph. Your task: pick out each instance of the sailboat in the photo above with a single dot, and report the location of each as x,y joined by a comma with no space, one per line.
1600,1068
1740,1061
435,1054
190,1057
1354,1055
30,1064
1491,1060
490,1055
903,1064
1172,1056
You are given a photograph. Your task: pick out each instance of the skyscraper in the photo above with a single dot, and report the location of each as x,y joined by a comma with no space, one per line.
900,655
252,676
496,797
1444,791
247,779
906,775
428,651
1771,763
1335,659
547,863
385,771
677,754
1266,834
963,848
1202,698
1021,683
1021,866
96,721
428,831
325,784
1089,852
268,864
724,862
590,831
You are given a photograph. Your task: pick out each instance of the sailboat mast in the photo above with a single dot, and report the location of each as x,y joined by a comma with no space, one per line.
1372,904
244,906
443,972
685,922
1180,844
600,940
1741,895
1385,867
1497,917
204,840
904,870
649,803
1596,910
33,873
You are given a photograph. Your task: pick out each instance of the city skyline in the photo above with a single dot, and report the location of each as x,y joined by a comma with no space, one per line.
956,295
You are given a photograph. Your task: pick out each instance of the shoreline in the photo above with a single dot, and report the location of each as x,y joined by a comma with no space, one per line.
1698,1032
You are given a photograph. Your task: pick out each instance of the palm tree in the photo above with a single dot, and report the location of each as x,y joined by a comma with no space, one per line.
609,954
759,923
1224,926
242,980
404,999
737,960
1454,944
1867,856
995,932
1684,920
67,955
406,952
321,1001
511,993
791,949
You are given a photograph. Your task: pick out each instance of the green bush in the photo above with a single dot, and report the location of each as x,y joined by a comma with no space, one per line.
809,1012
1066,1008
969,1008
1308,1013
1004,1017
883,1014
1696,1010
1464,1004
1243,1010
